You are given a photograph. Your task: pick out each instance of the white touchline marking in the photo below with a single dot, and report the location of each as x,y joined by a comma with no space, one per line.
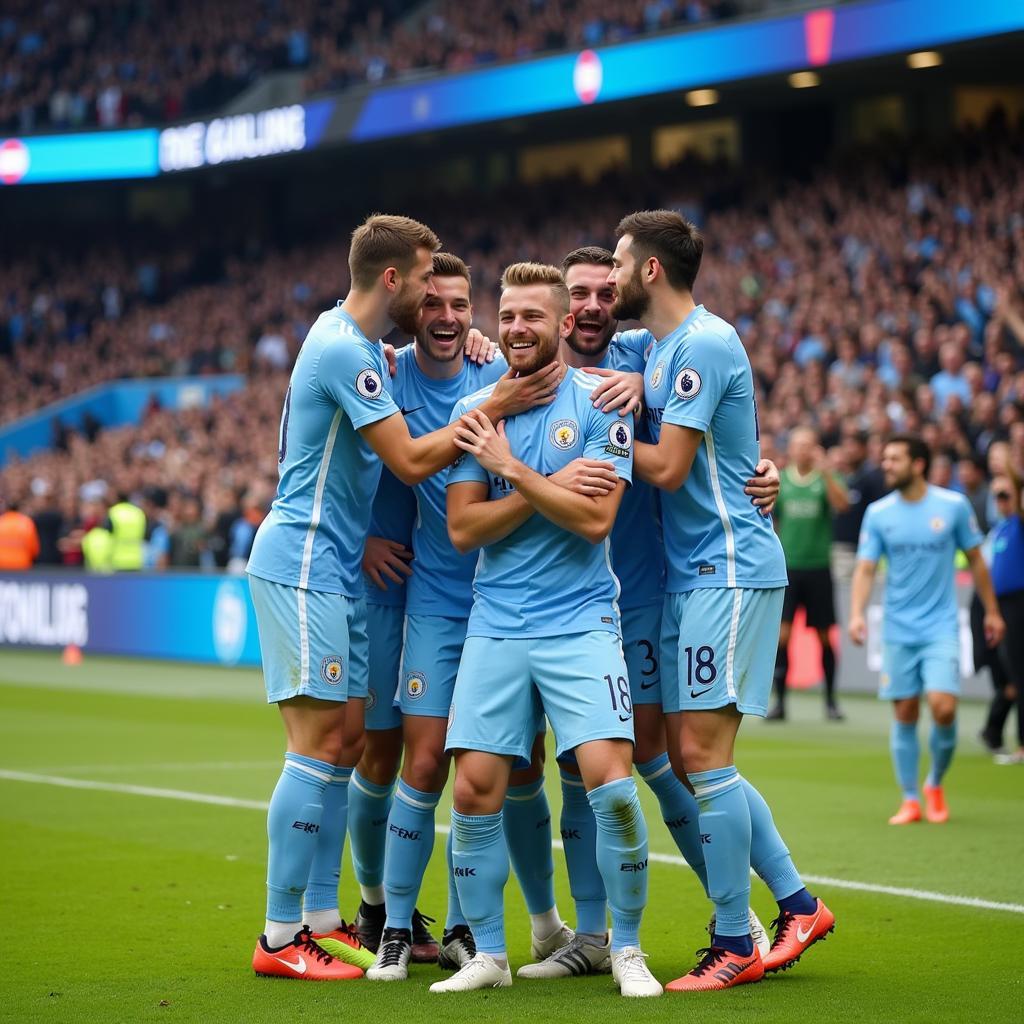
661,858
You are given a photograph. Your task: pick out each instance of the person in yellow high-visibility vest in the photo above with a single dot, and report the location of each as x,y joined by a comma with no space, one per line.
97,548
127,525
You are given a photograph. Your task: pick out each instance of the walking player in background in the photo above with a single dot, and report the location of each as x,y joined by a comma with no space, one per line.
920,528
810,495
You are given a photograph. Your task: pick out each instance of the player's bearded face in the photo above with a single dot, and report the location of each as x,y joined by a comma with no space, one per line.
897,467
445,319
633,300
528,328
591,299
404,307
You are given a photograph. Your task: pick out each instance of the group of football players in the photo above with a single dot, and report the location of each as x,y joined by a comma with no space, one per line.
574,534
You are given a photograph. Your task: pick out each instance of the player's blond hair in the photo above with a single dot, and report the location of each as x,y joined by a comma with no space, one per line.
386,240
523,274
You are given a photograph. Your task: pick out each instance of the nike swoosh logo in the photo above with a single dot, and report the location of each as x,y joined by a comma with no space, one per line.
803,936
409,412
647,686
299,967
694,694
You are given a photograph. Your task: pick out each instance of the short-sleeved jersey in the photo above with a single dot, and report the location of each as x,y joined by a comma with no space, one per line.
393,516
805,520
699,377
920,539
543,580
638,551
314,535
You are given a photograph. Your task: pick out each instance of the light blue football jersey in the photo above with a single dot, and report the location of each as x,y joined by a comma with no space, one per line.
442,579
393,515
920,539
542,580
699,376
638,551
314,535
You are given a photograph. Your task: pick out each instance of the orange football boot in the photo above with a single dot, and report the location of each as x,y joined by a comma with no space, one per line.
718,969
301,958
935,809
344,944
794,933
909,812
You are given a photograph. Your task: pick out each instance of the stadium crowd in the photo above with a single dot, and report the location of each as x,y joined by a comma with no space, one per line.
95,64
878,297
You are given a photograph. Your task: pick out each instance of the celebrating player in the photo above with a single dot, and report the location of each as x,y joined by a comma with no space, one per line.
919,528
338,422
725,579
639,564
544,632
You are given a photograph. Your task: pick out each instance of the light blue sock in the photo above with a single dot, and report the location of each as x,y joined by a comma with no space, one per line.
725,834
942,744
368,808
455,916
407,851
769,856
579,840
322,890
527,823
679,811
293,827
480,865
622,856
905,756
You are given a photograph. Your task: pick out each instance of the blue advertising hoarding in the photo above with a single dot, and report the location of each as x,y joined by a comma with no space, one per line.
187,617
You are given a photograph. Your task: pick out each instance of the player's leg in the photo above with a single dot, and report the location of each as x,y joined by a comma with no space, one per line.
491,725
901,683
940,670
320,902
312,704
583,685
430,659
527,823
791,601
373,781
821,617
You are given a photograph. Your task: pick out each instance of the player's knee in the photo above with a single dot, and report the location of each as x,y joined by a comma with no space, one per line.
943,709
906,711
426,770
475,795
382,753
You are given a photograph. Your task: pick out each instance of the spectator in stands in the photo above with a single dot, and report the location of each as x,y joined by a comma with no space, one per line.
19,541
243,531
47,516
972,483
864,484
188,538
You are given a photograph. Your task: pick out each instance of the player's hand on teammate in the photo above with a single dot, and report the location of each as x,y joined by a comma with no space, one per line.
479,348
858,629
386,560
995,629
619,390
587,476
474,433
763,487
514,394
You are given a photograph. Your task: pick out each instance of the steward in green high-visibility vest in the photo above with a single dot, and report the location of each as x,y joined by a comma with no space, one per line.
127,525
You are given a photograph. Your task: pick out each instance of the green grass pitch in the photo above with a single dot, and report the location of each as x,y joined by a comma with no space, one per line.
122,906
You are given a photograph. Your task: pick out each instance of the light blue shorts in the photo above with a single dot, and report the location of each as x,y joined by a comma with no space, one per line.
909,669
506,685
384,624
718,648
641,640
312,644
430,663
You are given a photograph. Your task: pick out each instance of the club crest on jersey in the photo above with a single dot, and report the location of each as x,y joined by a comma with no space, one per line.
331,669
563,434
371,700
688,384
937,524
658,375
620,438
415,685
368,384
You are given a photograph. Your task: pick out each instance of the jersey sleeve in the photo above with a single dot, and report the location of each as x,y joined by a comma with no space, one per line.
609,437
628,351
465,469
968,533
870,546
353,375
701,370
